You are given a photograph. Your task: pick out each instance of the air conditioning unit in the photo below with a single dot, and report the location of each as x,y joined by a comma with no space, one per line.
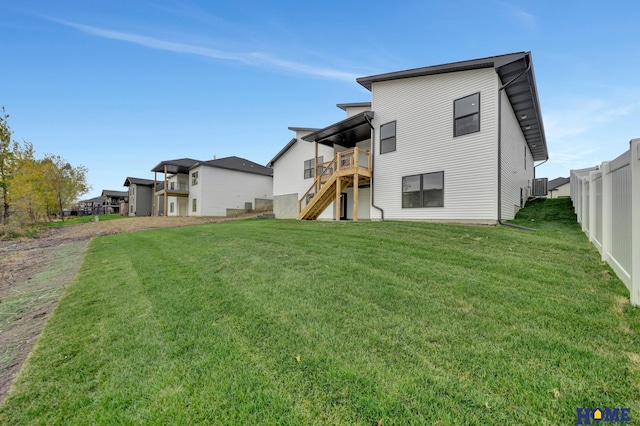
540,187
248,206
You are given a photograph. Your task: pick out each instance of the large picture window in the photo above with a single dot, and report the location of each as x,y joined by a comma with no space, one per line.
388,137
466,115
426,190
309,167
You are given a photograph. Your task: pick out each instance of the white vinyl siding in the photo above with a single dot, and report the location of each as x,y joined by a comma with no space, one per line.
221,189
515,176
425,143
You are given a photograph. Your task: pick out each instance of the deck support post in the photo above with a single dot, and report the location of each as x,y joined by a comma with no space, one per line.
155,196
356,178
166,185
338,190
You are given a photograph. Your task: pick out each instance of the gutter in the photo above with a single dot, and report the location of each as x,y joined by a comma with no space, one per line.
373,152
500,151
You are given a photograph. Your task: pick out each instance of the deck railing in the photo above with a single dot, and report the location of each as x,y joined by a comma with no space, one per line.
351,159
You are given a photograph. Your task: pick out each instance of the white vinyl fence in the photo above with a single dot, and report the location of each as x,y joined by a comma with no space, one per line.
606,200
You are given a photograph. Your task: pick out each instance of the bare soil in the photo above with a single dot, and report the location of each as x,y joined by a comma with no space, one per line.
34,273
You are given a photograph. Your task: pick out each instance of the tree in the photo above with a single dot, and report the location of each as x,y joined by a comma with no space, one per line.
7,164
64,182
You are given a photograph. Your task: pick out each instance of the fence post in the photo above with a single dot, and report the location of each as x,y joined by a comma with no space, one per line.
607,188
584,201
592,206
635,221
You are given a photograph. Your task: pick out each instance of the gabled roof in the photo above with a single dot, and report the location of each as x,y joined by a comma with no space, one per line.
137,181
237,164
282,152
345,133
555,183
181,165
354,105
114,194
522,93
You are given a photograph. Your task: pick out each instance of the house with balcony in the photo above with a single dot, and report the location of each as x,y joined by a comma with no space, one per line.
189,187
113,201
456,142
140,196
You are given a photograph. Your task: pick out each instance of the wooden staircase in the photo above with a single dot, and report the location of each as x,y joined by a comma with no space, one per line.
348,168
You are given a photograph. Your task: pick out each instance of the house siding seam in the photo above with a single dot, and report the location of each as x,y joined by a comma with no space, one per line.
423,110
288,174
514,174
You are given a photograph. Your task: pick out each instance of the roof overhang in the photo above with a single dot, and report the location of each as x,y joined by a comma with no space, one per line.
345,133
522,92
181,166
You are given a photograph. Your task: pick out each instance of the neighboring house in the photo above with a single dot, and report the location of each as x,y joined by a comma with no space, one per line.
90,206
140,196
209,188
454,142
113,201
559,188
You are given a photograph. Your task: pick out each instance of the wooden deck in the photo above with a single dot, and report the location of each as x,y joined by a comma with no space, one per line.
350,168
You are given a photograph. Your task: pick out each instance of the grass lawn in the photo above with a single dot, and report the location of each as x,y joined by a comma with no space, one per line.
85,219
287,322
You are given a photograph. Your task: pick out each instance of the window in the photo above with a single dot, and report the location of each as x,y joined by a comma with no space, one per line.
309,167
133,190
171,207
426,190
194,179
131,209
525,157
466,115
194,205
388,137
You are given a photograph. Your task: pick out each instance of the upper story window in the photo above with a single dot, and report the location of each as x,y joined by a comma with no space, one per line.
194,178
388,137
466,115
310,165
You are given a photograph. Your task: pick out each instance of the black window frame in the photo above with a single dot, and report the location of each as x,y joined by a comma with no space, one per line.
465,116
310,165
389,138
421,199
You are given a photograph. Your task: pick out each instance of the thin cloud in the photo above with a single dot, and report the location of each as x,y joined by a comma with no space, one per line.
255,59
527,19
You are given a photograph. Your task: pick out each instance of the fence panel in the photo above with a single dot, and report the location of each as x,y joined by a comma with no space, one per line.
605,199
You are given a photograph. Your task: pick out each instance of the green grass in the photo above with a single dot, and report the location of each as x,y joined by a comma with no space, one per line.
86,219
411,323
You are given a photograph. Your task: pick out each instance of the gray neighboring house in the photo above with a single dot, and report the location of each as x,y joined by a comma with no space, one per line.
140,196
113,201
559,188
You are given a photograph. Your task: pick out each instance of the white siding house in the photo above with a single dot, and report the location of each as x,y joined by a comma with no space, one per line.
209,188
454,142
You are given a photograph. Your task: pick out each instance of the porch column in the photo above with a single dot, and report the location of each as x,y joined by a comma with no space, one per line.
166,184
338,190
155,197
315,169
356,178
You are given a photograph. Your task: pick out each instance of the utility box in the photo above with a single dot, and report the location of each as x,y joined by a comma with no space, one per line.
248,207
539,187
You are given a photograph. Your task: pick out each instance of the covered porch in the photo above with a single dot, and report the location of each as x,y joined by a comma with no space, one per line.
341,180
170,187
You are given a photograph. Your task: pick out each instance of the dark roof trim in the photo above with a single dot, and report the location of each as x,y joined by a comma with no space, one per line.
236,164
354,105
345,133
282,152
522,94
492,61
180,165
110,193
137,181
303,129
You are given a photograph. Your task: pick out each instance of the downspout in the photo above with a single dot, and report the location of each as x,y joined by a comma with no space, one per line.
500,151
373,151
534,168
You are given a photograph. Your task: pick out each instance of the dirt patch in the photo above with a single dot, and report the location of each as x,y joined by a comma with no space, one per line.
34,273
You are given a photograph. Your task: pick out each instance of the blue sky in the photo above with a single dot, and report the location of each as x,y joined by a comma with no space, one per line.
119,86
